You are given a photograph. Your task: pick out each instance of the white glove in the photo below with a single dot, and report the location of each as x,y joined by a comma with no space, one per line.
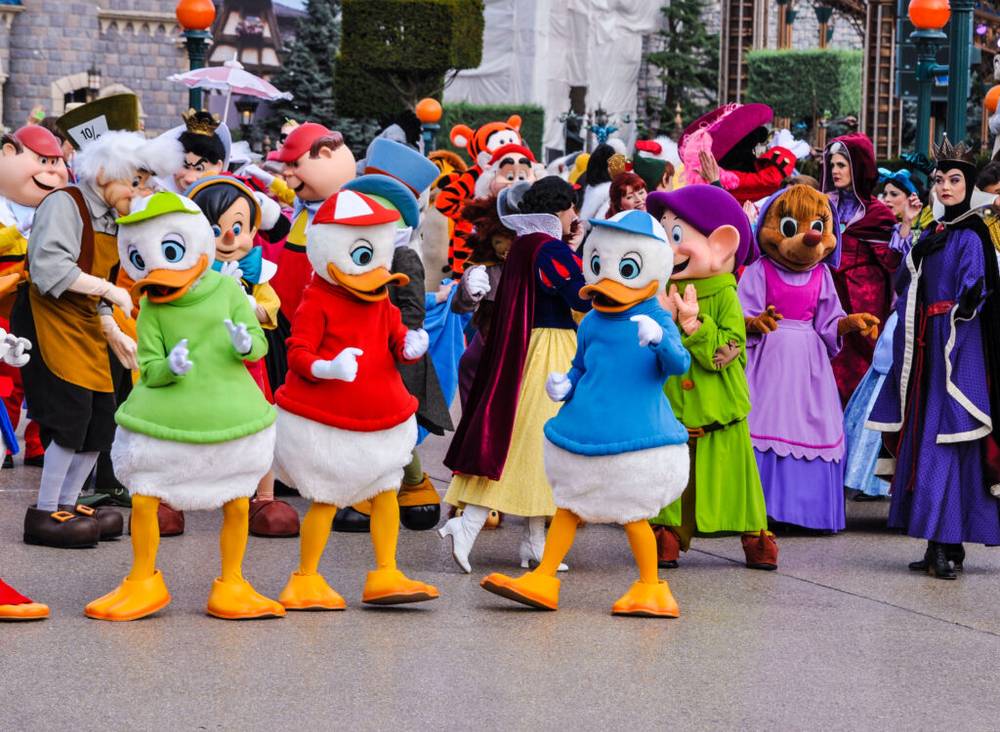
232,269
270,211
178,359
15,350
558,386
252,300
239,336
343,367
255,171
416,343
477,282
86,284
120,344
650,332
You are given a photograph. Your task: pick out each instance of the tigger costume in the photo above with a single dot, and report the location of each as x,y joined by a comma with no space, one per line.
455,188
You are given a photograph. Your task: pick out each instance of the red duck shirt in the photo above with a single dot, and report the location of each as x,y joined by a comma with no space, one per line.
328,320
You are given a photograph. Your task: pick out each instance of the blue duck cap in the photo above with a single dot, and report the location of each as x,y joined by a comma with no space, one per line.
392,190
634,222
403,163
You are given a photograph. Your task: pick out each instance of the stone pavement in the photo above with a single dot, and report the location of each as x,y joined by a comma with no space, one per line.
840,637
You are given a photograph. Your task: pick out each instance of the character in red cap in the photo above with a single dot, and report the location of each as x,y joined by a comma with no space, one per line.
31,165
346,423
317,164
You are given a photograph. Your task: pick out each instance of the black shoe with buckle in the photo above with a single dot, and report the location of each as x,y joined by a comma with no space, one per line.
112,522
60,529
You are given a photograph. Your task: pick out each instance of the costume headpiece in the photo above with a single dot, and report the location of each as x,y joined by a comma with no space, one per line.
618,164
200,123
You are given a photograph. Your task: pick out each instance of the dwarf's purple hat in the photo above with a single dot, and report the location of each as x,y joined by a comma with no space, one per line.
706,208
729,124
832,259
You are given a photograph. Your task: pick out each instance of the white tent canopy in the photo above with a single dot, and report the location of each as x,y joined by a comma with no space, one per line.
535,50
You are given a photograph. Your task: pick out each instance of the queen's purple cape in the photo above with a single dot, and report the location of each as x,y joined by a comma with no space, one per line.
936,395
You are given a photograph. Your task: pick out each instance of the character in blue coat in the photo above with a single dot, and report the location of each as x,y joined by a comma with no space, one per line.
615,453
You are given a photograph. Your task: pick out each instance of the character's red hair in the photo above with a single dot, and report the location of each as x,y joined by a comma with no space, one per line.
620,186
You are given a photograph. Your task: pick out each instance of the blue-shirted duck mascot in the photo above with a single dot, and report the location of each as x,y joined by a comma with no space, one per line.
615,453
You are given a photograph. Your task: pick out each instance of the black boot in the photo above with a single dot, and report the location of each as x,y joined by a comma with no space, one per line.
956,554
923,564
938,564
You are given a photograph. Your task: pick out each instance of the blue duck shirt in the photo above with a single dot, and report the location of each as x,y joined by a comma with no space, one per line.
617,403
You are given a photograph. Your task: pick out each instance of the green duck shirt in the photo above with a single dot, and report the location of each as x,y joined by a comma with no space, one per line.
217,400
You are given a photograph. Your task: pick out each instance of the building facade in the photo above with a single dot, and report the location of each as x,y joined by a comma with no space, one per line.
55,52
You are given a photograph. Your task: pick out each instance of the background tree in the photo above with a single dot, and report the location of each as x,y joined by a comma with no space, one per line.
308,68
688,63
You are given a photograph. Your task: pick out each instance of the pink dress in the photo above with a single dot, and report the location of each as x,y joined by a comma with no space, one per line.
796,420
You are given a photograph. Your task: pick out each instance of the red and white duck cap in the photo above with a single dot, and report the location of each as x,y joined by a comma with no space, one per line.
350,208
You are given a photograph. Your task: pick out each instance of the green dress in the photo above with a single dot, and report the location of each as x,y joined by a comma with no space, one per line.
728,496
217,400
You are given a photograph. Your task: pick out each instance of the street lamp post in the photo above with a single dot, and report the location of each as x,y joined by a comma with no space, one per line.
959,81
196,17
246,108
429,112
928,17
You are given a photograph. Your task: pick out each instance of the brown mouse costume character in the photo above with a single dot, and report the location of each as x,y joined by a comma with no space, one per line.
795,326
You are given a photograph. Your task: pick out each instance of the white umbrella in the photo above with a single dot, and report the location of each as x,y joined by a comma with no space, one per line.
231,78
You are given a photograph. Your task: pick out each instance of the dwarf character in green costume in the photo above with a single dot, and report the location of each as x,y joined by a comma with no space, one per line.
711,238
195,431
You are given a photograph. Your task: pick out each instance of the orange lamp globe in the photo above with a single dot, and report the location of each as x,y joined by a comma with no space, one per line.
195,14
929,14
992,99
428,111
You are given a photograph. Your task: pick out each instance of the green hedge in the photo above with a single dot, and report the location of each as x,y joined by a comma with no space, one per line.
805,84
476,115
413,35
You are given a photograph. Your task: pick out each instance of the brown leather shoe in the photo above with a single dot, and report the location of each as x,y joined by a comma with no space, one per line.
273,519
170,519
761,550
60,529
112,522
668,547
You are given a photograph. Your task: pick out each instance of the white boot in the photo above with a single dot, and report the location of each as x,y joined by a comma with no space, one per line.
533,543
463,531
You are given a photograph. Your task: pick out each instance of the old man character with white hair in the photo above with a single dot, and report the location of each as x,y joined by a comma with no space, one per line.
67,311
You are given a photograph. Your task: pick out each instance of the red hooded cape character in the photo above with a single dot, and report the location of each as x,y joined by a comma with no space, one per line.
867,264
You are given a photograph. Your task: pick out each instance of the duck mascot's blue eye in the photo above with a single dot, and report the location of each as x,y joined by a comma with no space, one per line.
595,264
173,251
630,267
362,255
136,259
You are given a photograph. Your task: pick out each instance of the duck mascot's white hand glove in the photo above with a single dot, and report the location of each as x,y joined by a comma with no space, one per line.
15,350
178,359
343,367
477,282
416,343
231,269
650,332
239,336
558,386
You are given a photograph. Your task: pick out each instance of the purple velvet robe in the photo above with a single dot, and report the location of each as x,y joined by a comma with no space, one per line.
936,395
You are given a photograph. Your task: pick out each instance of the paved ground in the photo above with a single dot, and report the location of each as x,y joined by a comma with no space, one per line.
840,637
